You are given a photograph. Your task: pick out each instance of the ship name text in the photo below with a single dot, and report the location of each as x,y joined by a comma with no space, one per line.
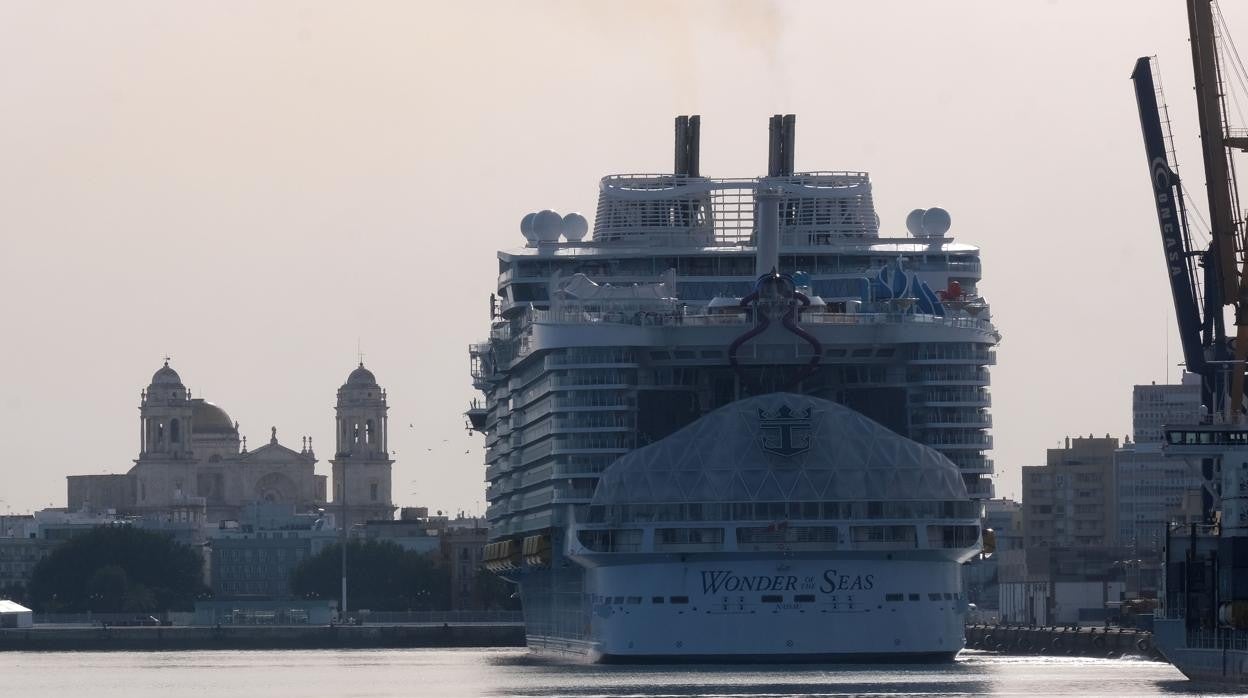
715,581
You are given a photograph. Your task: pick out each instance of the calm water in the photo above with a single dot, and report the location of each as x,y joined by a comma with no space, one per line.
512,673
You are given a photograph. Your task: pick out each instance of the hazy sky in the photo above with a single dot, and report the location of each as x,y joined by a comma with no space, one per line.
255,187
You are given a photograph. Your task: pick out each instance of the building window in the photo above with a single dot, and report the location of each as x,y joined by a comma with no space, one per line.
372,491
175,431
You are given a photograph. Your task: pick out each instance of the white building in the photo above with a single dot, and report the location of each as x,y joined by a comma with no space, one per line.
13,615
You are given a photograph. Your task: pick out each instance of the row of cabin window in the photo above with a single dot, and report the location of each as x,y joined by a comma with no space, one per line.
783,511
931,596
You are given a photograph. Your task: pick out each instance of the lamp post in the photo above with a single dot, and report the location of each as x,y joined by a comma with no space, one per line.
342,613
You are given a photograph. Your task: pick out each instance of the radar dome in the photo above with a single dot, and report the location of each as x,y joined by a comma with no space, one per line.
548,225
526,227
936,222
574,227
914,222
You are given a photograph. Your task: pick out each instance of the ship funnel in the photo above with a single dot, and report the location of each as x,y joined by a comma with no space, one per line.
688,137
767,246
780,139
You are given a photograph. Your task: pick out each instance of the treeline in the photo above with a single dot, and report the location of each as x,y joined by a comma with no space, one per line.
125,569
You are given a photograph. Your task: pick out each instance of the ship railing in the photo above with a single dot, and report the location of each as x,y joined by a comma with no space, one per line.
439,617
1222,638
823,207
645,319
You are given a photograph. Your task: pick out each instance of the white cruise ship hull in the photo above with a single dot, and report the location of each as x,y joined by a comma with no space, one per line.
854,609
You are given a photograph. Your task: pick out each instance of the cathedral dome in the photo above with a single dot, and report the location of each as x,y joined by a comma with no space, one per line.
207,418
166,376
362,377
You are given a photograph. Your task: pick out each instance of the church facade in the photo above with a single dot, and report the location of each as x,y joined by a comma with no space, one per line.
193,465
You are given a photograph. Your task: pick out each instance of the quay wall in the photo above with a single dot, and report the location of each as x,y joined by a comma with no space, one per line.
244,637
1076,642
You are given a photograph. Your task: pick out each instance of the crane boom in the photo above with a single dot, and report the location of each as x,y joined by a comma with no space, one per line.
1168,198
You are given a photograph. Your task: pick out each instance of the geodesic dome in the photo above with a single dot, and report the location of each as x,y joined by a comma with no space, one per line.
781,447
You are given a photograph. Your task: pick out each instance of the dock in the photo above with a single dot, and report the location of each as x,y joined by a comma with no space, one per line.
261,637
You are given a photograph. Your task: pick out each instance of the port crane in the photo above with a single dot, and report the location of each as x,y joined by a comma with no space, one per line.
1204,279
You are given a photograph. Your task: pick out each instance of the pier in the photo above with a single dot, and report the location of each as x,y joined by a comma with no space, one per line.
261,637
1060,641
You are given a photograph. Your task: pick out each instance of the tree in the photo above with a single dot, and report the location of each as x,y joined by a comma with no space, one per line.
491,592
115,569
381,576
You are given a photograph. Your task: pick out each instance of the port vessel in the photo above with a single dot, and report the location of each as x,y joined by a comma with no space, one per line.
734,421
1201,622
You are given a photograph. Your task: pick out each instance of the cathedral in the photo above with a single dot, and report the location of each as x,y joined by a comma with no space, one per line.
194,465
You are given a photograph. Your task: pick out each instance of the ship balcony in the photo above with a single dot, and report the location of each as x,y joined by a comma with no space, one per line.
953,397
575,495
494,453
497,470
678,318
976,421
988,358
590,401
557,361
980,489
976,353
579,470
983,466
586,383
955,440
949,375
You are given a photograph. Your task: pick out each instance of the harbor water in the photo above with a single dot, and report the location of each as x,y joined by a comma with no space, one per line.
513,673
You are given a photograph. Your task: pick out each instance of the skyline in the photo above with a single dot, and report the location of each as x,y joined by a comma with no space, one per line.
260,192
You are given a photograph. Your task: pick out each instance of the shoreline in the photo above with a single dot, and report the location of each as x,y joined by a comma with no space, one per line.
260,637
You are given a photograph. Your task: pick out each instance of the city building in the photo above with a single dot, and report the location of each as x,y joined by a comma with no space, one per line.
981,576
1067,568
462,548
194,466
253,558
1153,490
1069,501
1154,406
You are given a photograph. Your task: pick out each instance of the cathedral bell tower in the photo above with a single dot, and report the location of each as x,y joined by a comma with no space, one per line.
165,418
361,462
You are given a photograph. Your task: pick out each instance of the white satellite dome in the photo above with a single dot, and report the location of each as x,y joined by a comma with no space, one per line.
575,227
548,224
936,222
914,222
526,227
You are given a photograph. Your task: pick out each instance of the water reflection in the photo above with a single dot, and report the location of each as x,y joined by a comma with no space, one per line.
513,673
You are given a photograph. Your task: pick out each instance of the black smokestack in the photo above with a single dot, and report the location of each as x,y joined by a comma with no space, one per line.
694,140
688,135
788,127
682,147
773,146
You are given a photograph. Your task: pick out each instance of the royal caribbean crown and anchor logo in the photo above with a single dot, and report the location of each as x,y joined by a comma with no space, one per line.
785,432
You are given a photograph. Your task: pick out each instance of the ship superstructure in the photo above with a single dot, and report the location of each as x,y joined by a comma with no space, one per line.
693,295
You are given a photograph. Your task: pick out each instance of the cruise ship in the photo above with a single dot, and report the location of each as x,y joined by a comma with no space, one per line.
734,422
